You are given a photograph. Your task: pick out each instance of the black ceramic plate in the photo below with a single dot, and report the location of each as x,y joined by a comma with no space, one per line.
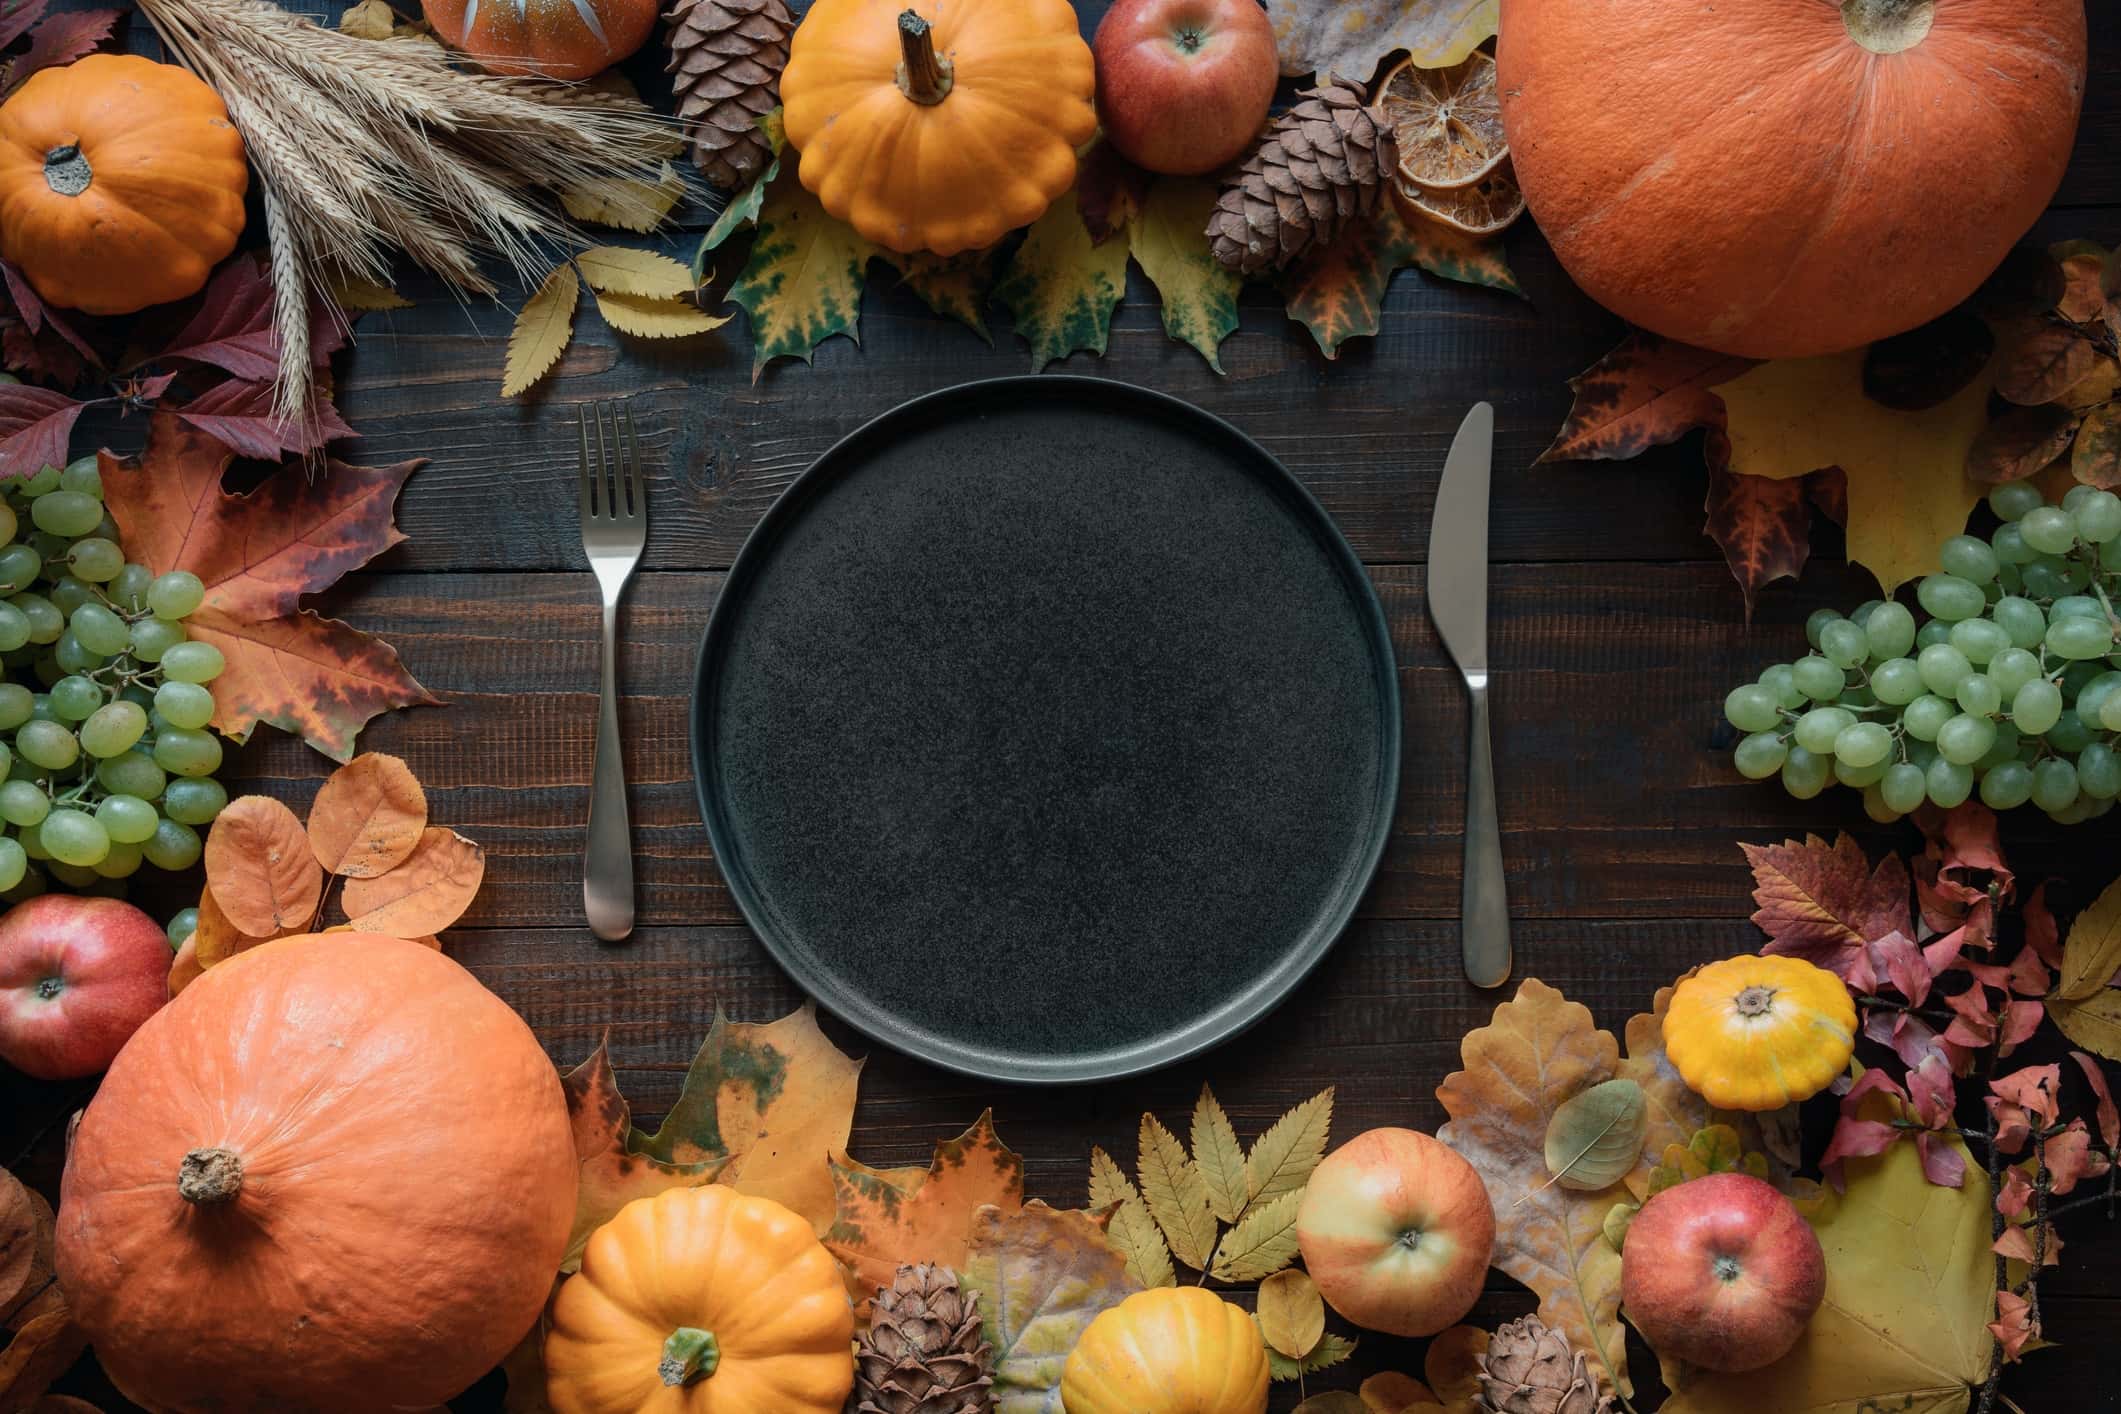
1047,729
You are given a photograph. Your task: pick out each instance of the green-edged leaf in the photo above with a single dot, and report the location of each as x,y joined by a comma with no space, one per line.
541,331
1282,1159
803,281
1141,1242
1042,1276
1061,287
1329,1351
1262,1243
613,1174
1220,1158
1170,243
1454,255
1338,292
742,211
1594,1139
1177,1195
956,287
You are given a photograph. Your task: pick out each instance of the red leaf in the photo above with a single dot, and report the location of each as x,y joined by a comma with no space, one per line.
2017,1244
2021,1018
1929,1090
1108,192
37,316
2070,1159
1829,490
1942,1164
2032,1090
2109,1116
233,328
1824,904
1647,391
1854,1139
2042,934
36,426
241,417
1762,525
61,39
1902,964
43,356
2015,1199
2014,1327
17,17
1974,1022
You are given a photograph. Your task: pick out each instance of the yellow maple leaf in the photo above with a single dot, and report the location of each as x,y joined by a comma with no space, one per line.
1907,485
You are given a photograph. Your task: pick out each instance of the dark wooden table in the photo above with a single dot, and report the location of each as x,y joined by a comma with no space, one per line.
1616,632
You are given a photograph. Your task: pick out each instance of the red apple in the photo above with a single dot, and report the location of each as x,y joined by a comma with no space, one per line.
1396,1230
1721,1272
77,977
1183,85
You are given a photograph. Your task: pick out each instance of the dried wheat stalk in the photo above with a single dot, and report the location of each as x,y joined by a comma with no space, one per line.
367,147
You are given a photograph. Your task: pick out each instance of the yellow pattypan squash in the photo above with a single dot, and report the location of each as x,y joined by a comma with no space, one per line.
1757,1033
942,125
1168,1350
702,1301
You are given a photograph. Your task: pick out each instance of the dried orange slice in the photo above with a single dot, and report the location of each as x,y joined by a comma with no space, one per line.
1448,122
1485,208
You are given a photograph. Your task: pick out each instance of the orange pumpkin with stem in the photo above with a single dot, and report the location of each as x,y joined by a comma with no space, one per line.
1779,178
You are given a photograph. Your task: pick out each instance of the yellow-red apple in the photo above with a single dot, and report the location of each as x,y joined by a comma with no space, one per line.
1183,85
1721,1272
1397,1230
77,977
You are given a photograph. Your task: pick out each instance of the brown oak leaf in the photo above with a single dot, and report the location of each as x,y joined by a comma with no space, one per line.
1823,902
259,868
888,1217
368,817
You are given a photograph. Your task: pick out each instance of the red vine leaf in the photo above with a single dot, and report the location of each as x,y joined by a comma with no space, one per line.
37,318
1762,525
19,19
36,427
2108,1115
242,417
2095,457
1647,391
61,39
2014,1327
1826,903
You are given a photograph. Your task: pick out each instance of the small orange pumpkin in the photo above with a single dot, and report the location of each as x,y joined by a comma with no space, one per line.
121,183
560,39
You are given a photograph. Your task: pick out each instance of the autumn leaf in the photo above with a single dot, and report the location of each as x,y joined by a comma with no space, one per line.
1673,1113
42,1350
1292,1315
541,331
1169,241
803,280
1906,485
1281,1160
2095,456
36,427
2091,955
742,210
1261,1242
646,318
233,328
259,868
1910,1289
612,1173
1220,1157
1393,1393
245,418
1042,1275
879,1224
617,270
1763,526
1540,1050
2040,360
1351,37
1109,191
1452,1366
955,286
1338,292
427,891
1595,1137
367,817
354,293
1176,1193
2021,443
19,17
215,939
2093,1023
1062,287
775,1100
626,203
258,555
1131,1228
1330,1351
1824,903
26,1278
1648,391
61,39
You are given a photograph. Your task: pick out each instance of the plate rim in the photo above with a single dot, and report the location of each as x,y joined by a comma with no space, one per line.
1260,997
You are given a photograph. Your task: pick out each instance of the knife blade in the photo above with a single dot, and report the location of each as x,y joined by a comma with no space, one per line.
1458,603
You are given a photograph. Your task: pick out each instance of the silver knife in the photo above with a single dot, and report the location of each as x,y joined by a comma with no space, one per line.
1458,602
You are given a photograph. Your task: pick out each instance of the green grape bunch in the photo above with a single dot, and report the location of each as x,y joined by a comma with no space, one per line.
2011,689
106,760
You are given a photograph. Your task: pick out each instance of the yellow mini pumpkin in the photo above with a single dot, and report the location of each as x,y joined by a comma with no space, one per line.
942,126
1757,1033
1168,1350
701,1301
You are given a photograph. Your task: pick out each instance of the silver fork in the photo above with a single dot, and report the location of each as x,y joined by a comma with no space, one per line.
614,529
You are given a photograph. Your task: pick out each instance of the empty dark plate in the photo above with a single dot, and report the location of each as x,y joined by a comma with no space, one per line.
1047,729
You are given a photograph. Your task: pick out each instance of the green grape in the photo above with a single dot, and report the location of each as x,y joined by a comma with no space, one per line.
46,623
1942,666
2078,677
2110,712
186,704
174,846
19,567
1863,744
1978,695
176,595
1979,639
1758,756
1817,729
69,656
1843,644
2045,580
1935,631
83,474
78,877
197,800
2074,497
14,628
1781,681
100,631
2092,694
7,533
1856,695
48,547
182,924
45,480
151,638
1750,708
131,773
23,803
1857,777
73,837
2071,734
113,729
2110,555
2048,529
2036,706
2003,748
1817,678
2010,547
14,864
119,861
1890,630
2080,638
1816,622
1896,682
1902,787
1926,715
47,744
1876,805
1970,558
2008,786
74,698
129,589
2008,580
2099,771
1804,774
2098,517
187,753
2054,784
68,593
96,560
193,662
2075,606
127,819
1965,739
1948,783
1950,598
40,708
2013,500
73,514
1861,616
2012,669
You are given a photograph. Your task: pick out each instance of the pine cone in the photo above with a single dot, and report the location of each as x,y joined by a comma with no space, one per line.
922,1353
727,57
1321,164
1530,1369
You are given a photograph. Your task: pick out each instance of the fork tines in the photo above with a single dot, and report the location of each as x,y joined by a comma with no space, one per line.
611,478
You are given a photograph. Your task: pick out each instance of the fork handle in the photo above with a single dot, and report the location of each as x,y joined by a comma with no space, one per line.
607,861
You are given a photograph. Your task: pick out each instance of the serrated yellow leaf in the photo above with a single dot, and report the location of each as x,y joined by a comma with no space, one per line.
1907,486
1141,1242
1282,1159
617,270
1176,1194
1263,1242
2093,1023
1109,1183
2093,953
1292,1316
1220,1157
353,292
626,203
656,318
541,331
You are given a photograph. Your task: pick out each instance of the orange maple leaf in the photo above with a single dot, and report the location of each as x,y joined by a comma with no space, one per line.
258,555
889,1217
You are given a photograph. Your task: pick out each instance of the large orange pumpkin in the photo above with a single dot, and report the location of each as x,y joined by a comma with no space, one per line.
336,1174
121,183
561,39
1777,178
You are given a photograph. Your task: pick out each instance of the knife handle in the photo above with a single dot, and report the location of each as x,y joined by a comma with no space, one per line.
1484,911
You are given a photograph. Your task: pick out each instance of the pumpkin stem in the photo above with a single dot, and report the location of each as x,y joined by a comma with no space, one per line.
1888,26
210,1176
923,75
66,170
1755,1001
690,1354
